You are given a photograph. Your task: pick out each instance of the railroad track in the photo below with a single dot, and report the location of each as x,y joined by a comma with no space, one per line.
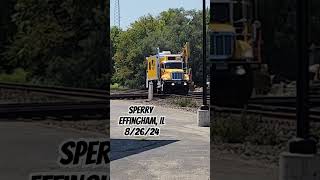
85,103
79,103
57,110
287,113
284,101
142,93
288,101
94,103
59,91
198,95
134,94
282,107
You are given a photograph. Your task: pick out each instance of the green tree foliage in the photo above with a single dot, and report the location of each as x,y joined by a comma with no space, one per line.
114,38
168,31
62,42
7,29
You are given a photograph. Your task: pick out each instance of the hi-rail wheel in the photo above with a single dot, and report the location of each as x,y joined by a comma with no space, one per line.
231,87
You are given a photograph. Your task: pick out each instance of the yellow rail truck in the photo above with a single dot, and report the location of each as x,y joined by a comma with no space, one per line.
169,73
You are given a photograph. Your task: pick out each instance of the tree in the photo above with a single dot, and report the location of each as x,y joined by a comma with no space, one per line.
7,31
62,42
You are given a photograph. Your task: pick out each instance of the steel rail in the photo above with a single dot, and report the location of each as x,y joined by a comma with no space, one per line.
88,109
57,90
281,112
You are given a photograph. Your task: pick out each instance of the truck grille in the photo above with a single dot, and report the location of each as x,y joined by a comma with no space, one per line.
177,76
221,45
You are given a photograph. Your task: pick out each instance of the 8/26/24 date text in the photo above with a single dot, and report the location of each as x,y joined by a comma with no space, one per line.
142,131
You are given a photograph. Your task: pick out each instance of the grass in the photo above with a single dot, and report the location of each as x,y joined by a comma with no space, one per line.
185,102
247,128
18,76
117,87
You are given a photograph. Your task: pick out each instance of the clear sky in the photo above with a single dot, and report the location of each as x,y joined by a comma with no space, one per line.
131,10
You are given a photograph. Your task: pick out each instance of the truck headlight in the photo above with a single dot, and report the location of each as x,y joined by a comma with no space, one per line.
240,71
185,83
172,84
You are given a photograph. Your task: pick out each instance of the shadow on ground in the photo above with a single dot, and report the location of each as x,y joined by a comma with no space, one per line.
121,148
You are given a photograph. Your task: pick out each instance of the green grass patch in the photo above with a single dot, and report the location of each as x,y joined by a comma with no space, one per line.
117,87
18,76
246,128
185,102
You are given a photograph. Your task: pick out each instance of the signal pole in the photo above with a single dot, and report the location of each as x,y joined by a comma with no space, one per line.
302,160
204,61
303,65
203,114
303,144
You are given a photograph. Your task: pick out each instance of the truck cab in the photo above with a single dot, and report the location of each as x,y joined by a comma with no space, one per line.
173,76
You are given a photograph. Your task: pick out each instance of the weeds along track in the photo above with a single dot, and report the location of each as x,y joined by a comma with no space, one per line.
85,103
134,94
275,107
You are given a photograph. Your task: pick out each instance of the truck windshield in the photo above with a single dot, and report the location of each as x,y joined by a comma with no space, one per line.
173,65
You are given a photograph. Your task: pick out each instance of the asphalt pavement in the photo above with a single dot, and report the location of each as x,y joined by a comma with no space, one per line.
181,152
27,147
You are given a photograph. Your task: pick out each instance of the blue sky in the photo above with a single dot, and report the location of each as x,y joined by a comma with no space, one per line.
131,10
